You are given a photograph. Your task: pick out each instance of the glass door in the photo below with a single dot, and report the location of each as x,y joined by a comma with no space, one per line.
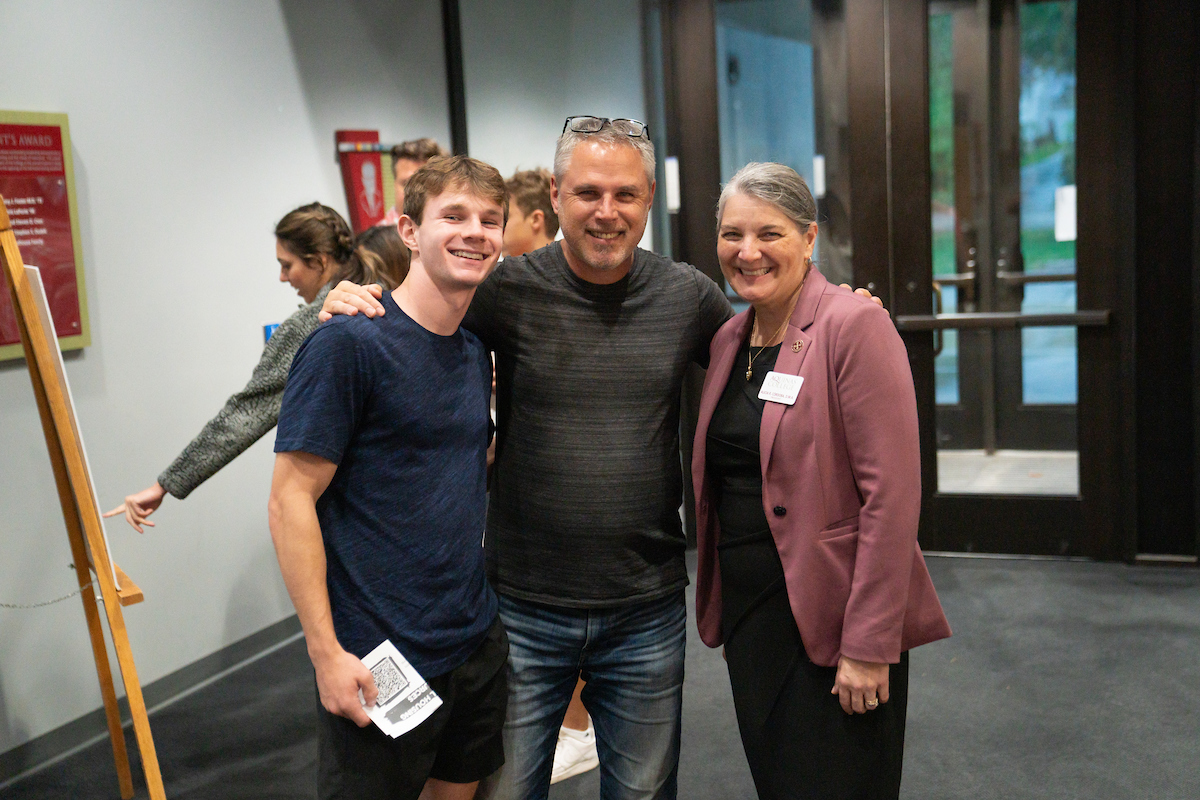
1002,153
1003,471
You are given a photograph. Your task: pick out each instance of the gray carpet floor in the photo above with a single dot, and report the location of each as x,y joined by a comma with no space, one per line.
1063,680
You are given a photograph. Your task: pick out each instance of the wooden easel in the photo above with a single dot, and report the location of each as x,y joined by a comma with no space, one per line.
81,512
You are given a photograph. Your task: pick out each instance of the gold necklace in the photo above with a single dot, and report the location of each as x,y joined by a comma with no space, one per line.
750,358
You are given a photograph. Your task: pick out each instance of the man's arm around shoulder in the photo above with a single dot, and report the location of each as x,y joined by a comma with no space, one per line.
299,480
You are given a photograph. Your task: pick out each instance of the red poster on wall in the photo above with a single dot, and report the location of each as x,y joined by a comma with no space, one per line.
362,176
38,188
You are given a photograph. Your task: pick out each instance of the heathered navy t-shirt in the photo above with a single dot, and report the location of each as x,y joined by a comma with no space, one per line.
403,412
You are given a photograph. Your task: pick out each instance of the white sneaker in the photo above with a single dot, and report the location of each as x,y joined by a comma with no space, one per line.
575,753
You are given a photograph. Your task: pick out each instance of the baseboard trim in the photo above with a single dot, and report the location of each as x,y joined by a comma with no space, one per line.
1000,556
65,740
1143,559
1165,559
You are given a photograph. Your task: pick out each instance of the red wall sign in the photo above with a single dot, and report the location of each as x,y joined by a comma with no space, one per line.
36,183
362,176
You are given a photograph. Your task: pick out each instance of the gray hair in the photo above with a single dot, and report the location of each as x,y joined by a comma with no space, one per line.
606,135
777,184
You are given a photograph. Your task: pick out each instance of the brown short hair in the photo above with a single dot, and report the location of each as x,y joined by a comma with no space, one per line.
453,172
419,150
530,189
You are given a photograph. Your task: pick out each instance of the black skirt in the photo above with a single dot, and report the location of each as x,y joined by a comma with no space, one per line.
798,741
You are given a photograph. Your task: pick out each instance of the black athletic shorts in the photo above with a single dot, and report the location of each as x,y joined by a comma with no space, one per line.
461,742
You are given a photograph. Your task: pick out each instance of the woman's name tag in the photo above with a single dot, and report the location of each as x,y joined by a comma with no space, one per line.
779,387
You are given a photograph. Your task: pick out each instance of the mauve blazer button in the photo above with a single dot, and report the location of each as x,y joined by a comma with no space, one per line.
780,511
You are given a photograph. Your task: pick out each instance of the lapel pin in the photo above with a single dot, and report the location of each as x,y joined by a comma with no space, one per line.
797,345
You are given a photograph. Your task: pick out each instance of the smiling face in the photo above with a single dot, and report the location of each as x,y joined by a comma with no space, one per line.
459,239
762,253
603,203
307,279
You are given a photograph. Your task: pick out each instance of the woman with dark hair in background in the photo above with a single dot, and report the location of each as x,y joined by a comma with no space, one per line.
807,472
315,249
379,257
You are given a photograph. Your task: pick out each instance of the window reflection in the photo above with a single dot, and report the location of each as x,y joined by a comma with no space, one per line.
1049,367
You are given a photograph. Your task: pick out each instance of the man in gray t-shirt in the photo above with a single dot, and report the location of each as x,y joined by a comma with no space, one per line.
584,544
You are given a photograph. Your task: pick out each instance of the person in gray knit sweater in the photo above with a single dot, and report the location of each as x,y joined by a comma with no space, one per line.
315,248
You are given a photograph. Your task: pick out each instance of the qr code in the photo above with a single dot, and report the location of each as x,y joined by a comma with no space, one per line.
389,680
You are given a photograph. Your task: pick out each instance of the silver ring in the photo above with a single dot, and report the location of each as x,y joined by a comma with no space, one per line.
872,703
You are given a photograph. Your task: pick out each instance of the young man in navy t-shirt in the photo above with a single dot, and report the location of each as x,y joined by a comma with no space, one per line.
378,503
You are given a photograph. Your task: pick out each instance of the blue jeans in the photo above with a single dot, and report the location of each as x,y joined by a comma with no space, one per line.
632,660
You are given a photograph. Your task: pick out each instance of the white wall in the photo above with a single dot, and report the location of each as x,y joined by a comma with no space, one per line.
530,64
195,127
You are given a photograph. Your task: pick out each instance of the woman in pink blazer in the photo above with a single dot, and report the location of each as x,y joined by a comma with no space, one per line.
807,473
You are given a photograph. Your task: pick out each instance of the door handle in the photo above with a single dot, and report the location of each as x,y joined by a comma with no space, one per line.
937,312
1000,319
1036,277
963,281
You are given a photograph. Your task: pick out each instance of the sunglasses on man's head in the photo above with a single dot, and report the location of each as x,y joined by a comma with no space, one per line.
629,127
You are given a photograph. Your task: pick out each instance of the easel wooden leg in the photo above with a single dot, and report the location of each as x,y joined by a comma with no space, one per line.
112,711
81,514
133,693
79,553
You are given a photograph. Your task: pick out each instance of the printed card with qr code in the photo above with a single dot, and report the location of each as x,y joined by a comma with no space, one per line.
405,699
389,680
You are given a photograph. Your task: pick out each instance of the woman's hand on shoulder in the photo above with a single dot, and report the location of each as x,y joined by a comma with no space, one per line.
859,291
860,685
349,298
